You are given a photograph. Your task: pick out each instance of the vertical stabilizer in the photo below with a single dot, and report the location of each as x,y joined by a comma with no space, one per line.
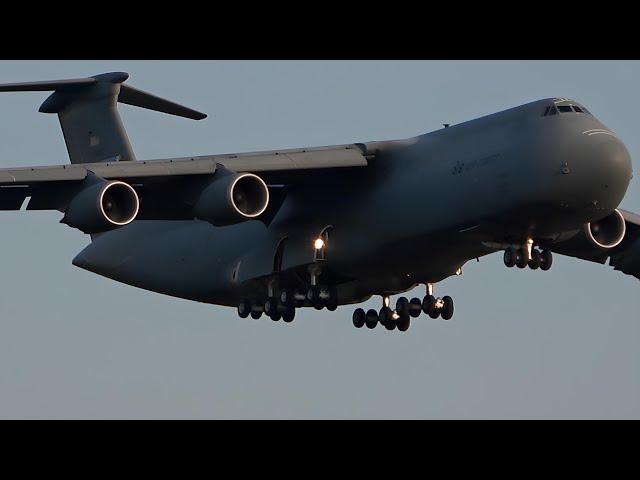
91,124
88,113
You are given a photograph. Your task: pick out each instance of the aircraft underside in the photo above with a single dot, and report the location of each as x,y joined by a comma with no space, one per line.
271,232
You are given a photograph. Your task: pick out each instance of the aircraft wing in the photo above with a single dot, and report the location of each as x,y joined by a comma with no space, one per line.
48,186
625,257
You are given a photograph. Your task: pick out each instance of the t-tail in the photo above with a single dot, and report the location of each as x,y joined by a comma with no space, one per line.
88,114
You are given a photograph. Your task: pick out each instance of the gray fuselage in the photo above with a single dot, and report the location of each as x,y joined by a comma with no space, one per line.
420,210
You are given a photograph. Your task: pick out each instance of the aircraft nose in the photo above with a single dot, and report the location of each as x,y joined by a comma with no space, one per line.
605,169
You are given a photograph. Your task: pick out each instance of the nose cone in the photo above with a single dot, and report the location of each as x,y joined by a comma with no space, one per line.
604,171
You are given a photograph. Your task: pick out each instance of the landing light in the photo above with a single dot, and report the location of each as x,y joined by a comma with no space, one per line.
318,244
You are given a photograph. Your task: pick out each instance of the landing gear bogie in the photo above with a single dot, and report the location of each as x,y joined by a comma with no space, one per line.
520,257
400,318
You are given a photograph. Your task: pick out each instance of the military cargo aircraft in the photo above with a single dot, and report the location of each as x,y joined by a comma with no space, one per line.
270,232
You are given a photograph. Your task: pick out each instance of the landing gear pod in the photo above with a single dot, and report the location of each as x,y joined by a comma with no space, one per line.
607,232
233,199
102,206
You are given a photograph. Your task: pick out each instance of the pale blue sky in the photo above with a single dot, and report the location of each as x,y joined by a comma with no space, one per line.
523,344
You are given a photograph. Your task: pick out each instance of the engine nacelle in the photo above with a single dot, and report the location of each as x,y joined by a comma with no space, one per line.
607,232
102,206
232,199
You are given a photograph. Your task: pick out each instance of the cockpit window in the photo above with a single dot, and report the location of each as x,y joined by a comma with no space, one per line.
555,109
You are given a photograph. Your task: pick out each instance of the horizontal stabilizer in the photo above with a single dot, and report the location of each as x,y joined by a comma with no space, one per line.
140,98
46,86
127,94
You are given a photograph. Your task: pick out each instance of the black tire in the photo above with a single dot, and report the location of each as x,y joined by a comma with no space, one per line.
313,294
300,302
270,306
333,296
371,319
287,298
521,259
385,316
256,314
536,259
403,323
276,316
510,257
391,325
289,315
244,308
402,306
447,308
332,307
436,312
429,305
358,318
415,307
546,260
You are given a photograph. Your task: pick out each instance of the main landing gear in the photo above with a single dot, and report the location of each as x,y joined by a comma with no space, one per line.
270,307
400,318
282,306
528,256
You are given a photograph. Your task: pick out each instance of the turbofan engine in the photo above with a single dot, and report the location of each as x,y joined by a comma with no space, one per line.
234,198
102,206
607,232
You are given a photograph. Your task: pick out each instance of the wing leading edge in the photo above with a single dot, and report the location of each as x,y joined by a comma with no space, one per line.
46,185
